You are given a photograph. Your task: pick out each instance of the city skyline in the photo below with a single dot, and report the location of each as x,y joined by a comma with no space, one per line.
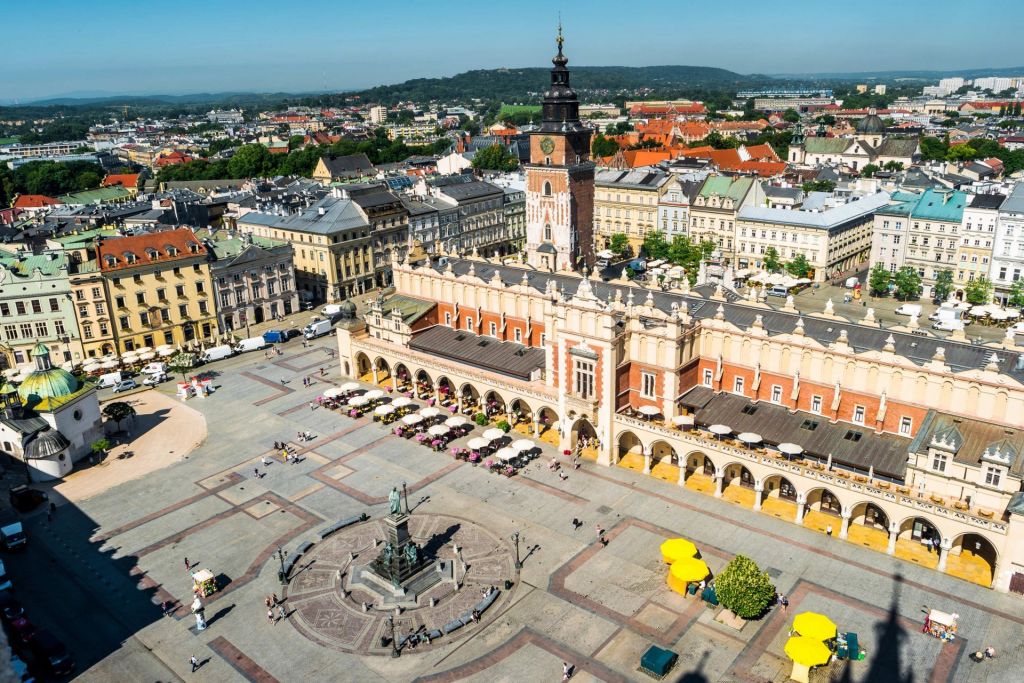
359,48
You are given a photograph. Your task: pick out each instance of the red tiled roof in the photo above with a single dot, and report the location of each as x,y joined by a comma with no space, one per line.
127,180
173,158
115,254
34,201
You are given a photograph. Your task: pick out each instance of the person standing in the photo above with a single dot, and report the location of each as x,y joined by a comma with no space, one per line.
566,671
270,616
187,565
194,662
281,612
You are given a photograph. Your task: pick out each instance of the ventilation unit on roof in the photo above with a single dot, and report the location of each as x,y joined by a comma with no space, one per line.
460,337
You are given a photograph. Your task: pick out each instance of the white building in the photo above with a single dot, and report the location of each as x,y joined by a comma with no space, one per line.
993,83
378,115
951,85
1008,249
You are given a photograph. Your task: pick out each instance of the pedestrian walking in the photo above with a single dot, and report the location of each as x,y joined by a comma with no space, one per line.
604,541
282,612
256,472
194,662
784,602
312,406
187,565
599,529
266,601
828,531
265,460
323,371
270,616
273,597
566,671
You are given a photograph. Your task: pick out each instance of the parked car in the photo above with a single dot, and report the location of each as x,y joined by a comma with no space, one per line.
10,608
25,499
154,369
153,380
125,385
13,536
51,653
778,290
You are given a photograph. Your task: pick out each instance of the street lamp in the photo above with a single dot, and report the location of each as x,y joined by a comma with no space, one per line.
281,576
405,495
395,652
519,563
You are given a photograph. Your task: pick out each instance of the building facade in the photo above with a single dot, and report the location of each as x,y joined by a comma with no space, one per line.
900,438
560,180
481,211
145,290
626,202
1008,248
713,211
977,234
36,308
253,280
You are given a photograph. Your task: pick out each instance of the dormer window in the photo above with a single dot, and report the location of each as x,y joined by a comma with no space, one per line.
152,253
111,260
193,247
129,257
171,251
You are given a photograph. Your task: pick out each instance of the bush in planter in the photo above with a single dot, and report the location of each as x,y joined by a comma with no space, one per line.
100,446
480,419
743,588
504,426
474,457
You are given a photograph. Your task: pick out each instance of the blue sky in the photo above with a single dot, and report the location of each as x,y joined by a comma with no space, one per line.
54,47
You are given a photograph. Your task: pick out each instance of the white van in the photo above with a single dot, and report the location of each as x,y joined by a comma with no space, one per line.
216,353
778,290
852,282
909,309
330,310
111,379
317,328
250,344
154,369
947,325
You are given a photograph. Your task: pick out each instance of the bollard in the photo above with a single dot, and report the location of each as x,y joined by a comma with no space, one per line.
433,602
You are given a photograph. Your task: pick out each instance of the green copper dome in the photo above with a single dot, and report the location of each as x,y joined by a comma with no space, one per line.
46,382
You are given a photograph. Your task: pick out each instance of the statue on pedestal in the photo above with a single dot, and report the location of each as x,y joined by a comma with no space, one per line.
395,500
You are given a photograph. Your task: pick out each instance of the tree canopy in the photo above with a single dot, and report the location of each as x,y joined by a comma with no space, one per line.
603,147
943,284
978,290
878,280
619,243
744,589
908,283
50,178
495,158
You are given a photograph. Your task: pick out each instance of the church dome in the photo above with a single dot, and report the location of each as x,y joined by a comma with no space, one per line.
872,123
46,444
46,382
347,309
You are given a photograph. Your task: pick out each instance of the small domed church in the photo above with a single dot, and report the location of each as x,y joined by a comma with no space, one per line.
50,420
869,145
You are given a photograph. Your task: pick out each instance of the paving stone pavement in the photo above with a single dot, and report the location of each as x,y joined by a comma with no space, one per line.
121,554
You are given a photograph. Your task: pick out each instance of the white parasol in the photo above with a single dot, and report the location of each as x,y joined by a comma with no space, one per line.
147,356
477,443
649,411
144,349
401,402
493,433
412,419
91,366
374,394
430,412
333,392
164,353
349,386
456,421
437,430
385,409
523,445
357,401
749,437
505,454
790,448
720,429
109,364
683,420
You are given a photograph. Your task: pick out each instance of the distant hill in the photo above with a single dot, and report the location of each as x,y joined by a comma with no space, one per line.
591,82
220,99
896,74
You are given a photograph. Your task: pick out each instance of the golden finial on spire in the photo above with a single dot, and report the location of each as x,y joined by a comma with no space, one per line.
559,39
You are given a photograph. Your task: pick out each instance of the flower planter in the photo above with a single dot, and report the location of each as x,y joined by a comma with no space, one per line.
882,485
860,479
842,475
903,490
937,500
987,514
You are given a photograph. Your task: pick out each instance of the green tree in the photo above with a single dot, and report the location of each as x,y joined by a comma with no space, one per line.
791,116
100,446
893,166
717,141
878,280
495,158
908,283
819,186
933,149
744,589
603,147
619,128
868,170
296,141
250,161
181,363
961,153
118,411
978,290
771,260
799,266
619,243
1016,297
655,246
943,284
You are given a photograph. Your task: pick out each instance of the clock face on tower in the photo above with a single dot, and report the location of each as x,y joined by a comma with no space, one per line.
547,145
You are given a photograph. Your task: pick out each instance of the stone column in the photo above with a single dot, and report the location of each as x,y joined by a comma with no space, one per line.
682,472
894,533
536,426
719,478
845,528
758,493
944,549
647,459
801,501
373,370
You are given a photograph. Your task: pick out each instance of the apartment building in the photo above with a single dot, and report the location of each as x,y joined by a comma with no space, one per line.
674,204
1008,248
713,211
627,202
36,307
253,280
977,235
389,226
144,291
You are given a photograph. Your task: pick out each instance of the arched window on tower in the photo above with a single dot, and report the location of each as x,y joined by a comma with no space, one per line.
547,188
547,232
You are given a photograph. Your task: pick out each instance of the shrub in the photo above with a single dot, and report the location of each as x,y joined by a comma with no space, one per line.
480,419
100,446
504,426
743,588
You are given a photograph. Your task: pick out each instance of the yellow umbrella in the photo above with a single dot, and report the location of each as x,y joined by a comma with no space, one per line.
807,651
685,571
814,625
677,549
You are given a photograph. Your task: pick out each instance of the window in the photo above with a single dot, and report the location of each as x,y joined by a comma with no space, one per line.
54,305
119,301
647,384
100,309
123,322
737,385
493,329
708,378
41,330
19,306
202,307
858,414
517,334
144,318
179,290
469,322
80,295
26,330
547,232
104,330
36,306
225,299
87,331
939,462
58,326
83,311
583,378
815,404
776,393
183,310
448,319
547,189
5,309
993,475
165,315
11,331
906,424
161,294
140,298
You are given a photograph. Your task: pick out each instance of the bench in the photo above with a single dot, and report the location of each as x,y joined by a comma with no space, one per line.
452,626
295,556
348,521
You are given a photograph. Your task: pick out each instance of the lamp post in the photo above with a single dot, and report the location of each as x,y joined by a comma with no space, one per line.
395,652
405,496
515,539
280,572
